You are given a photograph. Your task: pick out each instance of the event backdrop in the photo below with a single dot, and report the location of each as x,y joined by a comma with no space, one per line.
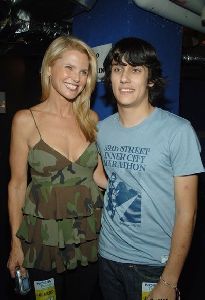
111,20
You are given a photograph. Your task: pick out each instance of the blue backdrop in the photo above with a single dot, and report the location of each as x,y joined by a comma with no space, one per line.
111,20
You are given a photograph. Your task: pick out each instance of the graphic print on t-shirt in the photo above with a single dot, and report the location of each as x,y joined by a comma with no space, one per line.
123,201
125,157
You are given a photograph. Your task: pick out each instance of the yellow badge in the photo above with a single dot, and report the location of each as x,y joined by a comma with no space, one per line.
45,290
147,287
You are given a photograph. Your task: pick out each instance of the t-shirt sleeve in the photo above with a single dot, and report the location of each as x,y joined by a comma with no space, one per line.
185,152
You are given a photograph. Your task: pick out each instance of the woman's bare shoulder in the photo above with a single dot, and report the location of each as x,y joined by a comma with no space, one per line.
22,122
94,116
25,115
22,116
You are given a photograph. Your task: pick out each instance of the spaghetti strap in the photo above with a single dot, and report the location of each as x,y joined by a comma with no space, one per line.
35,123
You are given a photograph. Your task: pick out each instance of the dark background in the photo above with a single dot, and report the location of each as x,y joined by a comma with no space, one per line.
20,60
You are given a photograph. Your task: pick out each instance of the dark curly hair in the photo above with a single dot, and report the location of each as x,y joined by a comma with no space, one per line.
137,52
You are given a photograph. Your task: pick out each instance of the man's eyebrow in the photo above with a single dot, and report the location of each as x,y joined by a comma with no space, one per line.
115,63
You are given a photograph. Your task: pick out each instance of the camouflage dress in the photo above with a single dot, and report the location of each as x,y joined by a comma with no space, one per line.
61,216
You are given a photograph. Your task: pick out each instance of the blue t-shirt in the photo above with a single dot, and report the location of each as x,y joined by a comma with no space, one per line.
141,163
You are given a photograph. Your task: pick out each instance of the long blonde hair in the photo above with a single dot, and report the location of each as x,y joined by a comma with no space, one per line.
81,105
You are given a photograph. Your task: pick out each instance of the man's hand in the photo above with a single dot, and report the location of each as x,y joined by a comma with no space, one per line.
162,292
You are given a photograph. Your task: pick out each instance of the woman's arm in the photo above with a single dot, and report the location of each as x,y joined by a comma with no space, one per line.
17,185
99,175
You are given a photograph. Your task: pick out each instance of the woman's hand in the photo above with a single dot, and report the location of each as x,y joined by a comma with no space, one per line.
15,260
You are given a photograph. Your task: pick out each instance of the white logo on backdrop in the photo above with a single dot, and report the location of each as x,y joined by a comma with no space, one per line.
101,53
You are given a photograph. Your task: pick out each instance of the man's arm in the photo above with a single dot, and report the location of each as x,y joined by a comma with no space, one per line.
185,217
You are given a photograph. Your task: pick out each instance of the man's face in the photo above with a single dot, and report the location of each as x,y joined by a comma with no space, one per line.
130,84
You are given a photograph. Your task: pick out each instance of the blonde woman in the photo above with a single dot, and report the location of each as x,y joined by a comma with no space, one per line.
55,219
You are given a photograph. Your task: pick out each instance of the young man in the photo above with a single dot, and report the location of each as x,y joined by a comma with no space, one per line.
152,158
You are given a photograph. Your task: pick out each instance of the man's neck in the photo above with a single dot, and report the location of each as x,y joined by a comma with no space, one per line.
130,116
